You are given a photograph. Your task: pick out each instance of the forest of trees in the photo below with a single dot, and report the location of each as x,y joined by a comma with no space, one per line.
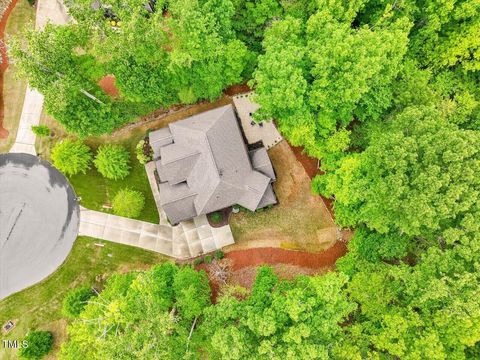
385,93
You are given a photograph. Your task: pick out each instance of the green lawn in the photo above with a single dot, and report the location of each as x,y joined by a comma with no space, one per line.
95,191
40,305
14,89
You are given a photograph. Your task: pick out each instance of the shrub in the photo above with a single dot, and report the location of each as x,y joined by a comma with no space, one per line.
197,261
40,343
112,161
139,150
76,300
208,259
219,254
128,203
216,217
41,130
71,157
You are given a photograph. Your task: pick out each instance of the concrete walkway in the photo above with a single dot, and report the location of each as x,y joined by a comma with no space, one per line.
267,133
52,11
186,240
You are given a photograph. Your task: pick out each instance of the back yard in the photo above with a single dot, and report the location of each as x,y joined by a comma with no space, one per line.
300,221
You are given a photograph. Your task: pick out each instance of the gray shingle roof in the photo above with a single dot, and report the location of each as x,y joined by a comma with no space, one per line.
261,162
158,139
204,166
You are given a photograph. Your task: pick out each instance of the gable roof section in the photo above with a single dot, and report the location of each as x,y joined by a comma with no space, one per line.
207,166
176,162
159,138
261,162
255,186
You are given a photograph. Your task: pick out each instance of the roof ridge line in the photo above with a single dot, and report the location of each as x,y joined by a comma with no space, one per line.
181,198
181,158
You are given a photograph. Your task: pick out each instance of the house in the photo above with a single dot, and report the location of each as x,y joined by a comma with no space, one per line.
204,165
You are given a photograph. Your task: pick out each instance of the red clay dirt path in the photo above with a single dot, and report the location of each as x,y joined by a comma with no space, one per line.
4,65
272,256
244,263
311,166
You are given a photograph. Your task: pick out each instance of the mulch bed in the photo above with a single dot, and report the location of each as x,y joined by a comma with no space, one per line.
225,216
4,65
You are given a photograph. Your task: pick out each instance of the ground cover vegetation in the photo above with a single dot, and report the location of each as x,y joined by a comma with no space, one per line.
384,93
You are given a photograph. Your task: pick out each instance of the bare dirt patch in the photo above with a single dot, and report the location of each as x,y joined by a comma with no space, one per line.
300,221
107,83
242,265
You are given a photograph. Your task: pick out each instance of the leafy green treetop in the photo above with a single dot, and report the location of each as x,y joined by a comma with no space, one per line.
112,161
71,157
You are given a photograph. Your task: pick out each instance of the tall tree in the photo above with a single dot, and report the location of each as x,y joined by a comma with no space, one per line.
417,177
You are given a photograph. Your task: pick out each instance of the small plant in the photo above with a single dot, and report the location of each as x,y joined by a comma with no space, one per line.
219,254
41,130
75,301
140,151
208,259
197,261
128,203
40,343
112,161
216,217
71,157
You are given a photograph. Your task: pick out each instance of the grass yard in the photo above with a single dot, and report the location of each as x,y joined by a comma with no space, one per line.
299,222
14,89
95,191
40,305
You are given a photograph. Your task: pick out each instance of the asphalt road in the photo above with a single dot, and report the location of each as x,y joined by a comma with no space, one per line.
39,220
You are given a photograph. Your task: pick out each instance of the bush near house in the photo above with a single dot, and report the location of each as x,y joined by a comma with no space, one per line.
71,157
216,217
128,203
40,343
140,152
112,161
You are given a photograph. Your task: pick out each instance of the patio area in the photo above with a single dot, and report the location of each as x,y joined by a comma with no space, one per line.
254,132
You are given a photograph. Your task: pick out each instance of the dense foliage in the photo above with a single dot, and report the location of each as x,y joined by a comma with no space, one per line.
71,157
129,203
75,301
40,343
160,54
142,315
112,161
